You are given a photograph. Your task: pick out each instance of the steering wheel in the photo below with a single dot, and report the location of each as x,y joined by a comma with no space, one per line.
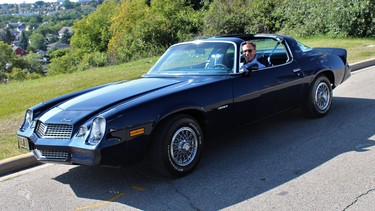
220,66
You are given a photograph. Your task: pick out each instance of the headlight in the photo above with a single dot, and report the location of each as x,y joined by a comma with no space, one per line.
97,130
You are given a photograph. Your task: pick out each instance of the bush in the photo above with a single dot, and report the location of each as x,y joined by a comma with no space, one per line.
336,18
140,31
96,59
76,60
67,63
55,52
227,17
3,77
18,74
33,64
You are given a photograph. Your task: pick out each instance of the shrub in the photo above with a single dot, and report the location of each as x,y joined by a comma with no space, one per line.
18,74
55,52
337,18
95,59
67,63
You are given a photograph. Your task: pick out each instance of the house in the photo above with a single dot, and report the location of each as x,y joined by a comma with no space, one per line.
19,51
58,45
21,27
63,29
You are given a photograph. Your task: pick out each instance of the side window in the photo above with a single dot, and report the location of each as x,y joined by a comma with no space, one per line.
270,52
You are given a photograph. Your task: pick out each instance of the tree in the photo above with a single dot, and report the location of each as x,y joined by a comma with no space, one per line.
51,38
33,64
37,41
68,5
6,36
6,57
35,21
239,16
139,30
197,4
24,40
39,3
92,33
66,37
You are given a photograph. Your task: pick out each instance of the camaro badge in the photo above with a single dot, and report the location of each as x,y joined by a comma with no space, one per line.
66,120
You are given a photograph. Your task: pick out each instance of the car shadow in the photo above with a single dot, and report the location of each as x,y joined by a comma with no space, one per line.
239,165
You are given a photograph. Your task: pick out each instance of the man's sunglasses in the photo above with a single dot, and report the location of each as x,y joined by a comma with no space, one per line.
248,50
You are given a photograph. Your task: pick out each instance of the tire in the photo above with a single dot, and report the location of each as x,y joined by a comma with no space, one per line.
176,146
319,98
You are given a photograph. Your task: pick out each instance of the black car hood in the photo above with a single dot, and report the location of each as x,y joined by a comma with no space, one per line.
115,93
98,100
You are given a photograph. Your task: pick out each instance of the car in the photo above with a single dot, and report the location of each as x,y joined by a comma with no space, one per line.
196,90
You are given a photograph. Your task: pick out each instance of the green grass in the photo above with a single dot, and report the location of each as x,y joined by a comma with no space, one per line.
357,48
16,97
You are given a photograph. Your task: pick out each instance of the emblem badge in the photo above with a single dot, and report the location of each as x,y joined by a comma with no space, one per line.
66,120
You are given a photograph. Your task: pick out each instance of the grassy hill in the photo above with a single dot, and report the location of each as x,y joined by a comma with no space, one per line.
16,97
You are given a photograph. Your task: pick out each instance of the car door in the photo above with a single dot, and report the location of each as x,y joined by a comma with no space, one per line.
266,92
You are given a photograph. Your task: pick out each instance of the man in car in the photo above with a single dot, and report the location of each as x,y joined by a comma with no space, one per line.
249,51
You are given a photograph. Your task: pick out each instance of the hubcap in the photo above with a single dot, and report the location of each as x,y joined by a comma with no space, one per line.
322,96
184,146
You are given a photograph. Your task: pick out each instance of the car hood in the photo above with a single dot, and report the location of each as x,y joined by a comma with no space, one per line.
115,93
98,100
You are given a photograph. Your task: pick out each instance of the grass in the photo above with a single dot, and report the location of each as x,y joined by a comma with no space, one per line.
16,97
359,49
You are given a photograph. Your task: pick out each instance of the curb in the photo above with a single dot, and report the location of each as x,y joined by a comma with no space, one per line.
24,161
362,64
17,163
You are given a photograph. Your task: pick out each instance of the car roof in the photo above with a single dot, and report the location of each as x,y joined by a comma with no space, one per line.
240,38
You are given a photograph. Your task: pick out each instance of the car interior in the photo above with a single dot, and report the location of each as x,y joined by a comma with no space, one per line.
269,52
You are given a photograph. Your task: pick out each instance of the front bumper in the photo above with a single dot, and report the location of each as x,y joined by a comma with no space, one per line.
67,156
65,151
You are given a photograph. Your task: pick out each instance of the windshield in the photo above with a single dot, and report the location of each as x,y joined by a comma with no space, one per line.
196,58
303,47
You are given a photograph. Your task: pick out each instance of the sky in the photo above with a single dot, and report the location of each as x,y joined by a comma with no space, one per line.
28,1
22,1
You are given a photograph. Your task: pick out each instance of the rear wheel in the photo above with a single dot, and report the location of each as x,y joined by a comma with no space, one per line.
319,99
176,146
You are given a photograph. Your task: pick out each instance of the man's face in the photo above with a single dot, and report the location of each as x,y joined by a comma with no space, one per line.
248,52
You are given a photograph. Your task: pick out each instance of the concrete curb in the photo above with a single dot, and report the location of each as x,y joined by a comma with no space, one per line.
362,64
17,163
20,162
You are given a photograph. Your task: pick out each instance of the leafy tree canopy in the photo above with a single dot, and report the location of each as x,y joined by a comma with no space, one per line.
6,57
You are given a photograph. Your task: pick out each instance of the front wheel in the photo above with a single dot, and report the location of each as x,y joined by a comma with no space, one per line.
319,99
176,146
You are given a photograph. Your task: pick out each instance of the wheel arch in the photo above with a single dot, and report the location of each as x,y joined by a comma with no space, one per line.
329,74
155,153
198,115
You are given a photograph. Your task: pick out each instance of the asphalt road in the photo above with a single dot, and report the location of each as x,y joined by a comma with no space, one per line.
284,163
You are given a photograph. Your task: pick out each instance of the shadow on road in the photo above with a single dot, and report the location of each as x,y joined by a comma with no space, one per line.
240,165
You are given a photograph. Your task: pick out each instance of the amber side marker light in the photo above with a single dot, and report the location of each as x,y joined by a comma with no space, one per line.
137,132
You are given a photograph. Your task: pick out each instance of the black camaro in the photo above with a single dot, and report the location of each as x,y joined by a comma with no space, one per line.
195,89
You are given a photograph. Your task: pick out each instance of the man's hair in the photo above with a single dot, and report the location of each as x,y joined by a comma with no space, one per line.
251,43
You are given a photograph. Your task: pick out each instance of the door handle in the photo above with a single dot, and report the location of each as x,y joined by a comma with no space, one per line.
297,70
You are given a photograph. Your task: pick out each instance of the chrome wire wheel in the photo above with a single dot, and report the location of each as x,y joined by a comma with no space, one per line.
322,97
319,98
184,146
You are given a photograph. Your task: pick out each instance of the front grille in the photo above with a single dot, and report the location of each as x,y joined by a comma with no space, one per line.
54,131
52,155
